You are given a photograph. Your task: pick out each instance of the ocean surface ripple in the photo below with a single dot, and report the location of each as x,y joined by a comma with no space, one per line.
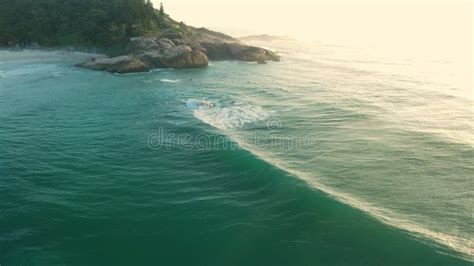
329,157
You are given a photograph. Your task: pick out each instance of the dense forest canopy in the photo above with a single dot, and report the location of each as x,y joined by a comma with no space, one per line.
63,22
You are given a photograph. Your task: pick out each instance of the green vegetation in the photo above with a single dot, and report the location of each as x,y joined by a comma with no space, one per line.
162,11
100,23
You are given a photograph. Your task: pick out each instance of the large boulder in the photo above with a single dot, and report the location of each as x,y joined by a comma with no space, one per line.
140,44
120,64
149,44
176,51
165,53
183,56
165,43
133,66
168,56
152,59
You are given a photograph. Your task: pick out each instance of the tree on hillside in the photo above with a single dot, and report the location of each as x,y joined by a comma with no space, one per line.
162,11
161,17
63,22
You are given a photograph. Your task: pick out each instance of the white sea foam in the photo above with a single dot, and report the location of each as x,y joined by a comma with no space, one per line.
229,118
233,116
170,80
457,243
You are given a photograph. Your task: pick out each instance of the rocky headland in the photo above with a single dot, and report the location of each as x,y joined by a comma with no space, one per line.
192,48
136,36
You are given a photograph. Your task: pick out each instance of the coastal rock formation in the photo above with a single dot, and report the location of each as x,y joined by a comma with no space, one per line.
164,53
113,30
187,59
175,50
120,64
150,53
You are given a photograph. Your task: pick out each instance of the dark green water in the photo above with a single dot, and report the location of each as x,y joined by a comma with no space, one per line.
86,179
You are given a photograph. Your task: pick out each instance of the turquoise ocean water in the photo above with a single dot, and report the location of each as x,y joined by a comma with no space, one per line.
326,158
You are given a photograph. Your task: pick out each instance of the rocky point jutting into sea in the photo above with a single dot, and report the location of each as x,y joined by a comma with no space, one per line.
180,50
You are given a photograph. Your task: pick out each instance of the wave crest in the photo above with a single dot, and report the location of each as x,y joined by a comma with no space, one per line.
234,116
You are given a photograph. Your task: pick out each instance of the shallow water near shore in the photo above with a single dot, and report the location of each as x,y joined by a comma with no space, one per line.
325,158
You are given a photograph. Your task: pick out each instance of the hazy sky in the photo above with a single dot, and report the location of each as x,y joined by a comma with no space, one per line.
419,24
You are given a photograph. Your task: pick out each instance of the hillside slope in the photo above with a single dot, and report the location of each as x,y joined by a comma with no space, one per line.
137,36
